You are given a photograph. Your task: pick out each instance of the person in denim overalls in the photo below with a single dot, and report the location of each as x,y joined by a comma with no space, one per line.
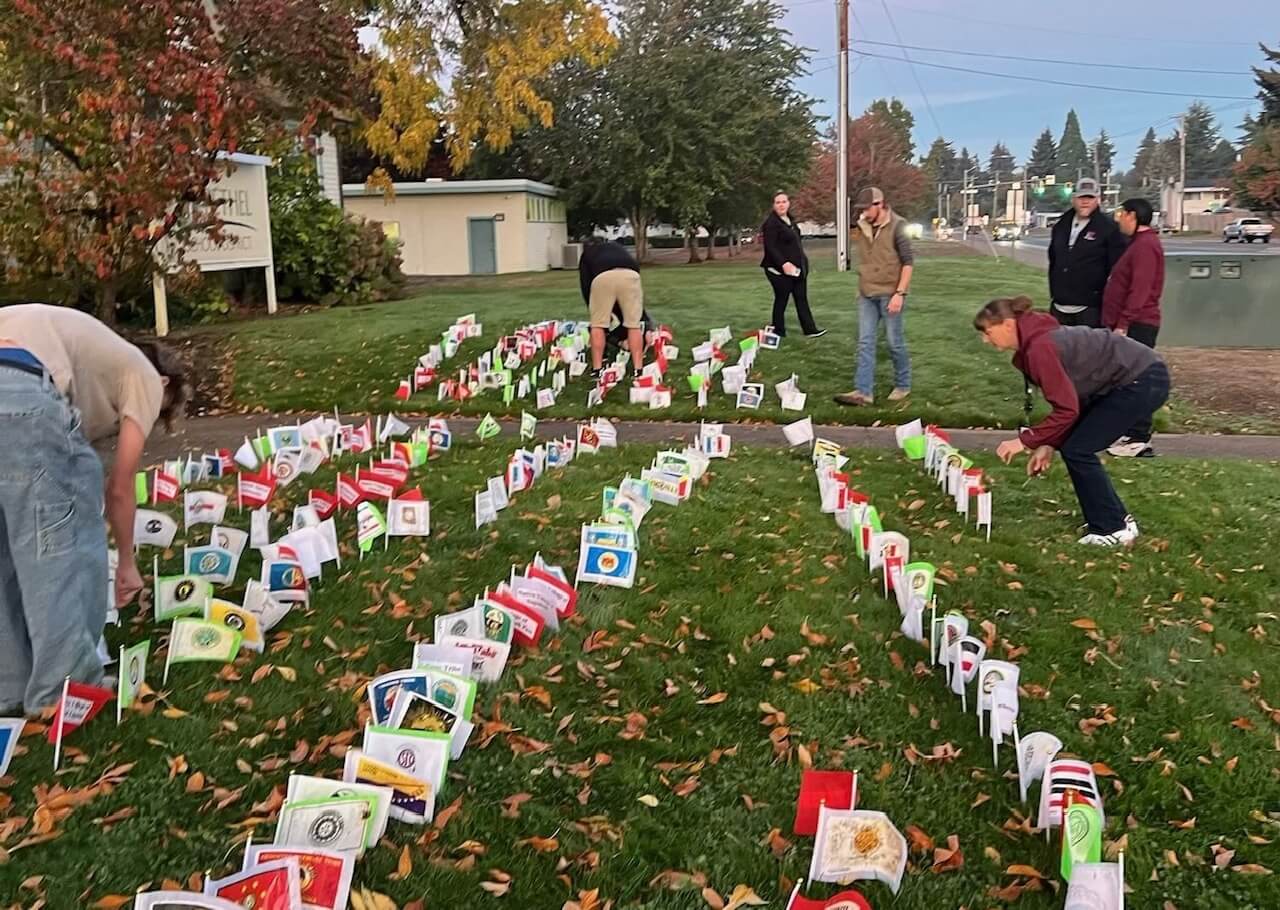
67,380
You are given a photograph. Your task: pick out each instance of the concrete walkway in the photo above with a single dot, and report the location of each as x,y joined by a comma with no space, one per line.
201,434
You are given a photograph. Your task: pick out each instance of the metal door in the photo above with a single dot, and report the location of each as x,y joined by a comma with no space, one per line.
482,245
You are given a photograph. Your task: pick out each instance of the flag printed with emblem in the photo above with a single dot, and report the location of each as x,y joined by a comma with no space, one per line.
200,640
178,595
324,875
409,518
330,823
267,886
203,507
370,525
153,529
285,580
607,565
237,618
10,733
132,678
212,563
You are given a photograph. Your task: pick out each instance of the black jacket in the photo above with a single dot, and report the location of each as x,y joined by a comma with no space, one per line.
1077,274
598,258
782,244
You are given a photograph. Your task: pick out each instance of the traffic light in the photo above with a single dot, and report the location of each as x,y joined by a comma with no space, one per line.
1066,190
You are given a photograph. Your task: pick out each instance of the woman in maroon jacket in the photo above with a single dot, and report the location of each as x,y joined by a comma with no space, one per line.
1098,382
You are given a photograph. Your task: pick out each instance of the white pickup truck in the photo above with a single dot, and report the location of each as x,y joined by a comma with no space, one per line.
1247,230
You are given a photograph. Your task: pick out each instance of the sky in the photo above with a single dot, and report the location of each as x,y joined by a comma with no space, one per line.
978,109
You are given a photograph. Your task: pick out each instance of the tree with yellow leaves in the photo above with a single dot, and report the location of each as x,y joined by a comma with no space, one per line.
471,69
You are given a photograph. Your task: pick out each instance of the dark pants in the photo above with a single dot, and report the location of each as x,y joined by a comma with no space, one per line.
1090,316
1104,421
785,286
1146,334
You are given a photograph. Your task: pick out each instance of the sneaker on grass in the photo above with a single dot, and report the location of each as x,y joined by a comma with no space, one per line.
899,394
855,399
815,334
1122,538
1124,447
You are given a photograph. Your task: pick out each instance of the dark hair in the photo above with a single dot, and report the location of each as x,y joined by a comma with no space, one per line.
1139,209
1000,309
178,387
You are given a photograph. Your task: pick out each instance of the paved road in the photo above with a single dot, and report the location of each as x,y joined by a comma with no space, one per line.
201,434
1172,245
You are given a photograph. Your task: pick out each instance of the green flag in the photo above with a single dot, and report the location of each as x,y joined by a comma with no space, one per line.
370,525
140,488
1082,842
201,639
696,381
419,452
133,675
508,394
262,446
180,595
528,425
748,343
488,427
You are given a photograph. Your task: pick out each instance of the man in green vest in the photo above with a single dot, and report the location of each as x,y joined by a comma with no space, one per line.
885,263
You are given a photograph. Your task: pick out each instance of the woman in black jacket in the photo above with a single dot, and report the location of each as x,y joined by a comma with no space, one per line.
787,267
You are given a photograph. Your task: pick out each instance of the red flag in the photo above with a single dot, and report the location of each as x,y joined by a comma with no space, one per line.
349,494
423,377
389,470
845,900
257,489
413,495
324,502
79,704
569,591
837,789
361,439
373,486
166,487
228,464
527,623
403,391
401,454
323,873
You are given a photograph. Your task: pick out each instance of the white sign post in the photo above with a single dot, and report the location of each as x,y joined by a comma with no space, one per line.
246,219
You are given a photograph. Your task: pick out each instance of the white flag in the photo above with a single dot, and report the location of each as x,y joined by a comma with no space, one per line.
246,457
392,428
232,539
800,432
153,529
259,530
203,507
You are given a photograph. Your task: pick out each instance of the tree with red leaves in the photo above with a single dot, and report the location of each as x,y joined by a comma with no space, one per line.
114,115
876,158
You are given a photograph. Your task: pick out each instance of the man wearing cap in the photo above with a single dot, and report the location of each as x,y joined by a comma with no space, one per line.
1084,247
885,263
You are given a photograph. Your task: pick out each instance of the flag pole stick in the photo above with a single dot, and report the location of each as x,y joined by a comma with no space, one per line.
1120,861
62,723
168,657
119,685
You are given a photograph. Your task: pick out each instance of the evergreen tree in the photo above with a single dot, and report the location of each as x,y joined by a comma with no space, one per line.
1073,157
1205,159
1001,160
1269,88
1141,172
894,112
1105,153
1044,156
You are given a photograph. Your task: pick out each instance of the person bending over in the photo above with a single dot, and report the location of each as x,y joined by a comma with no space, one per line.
610,275
67,380
1098,382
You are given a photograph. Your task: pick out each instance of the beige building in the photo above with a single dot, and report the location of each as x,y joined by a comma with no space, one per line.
468,227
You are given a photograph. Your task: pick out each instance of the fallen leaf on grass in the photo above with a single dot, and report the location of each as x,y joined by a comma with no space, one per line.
111,902
743,896
1087,624
541,844
649,800
920,842
404,868
718,699
948,858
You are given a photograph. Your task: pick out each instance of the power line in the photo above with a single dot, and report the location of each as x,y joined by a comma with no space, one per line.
905,56
1014,24
1116,66
1101,88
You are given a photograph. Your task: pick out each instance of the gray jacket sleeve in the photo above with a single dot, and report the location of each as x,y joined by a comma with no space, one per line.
902,244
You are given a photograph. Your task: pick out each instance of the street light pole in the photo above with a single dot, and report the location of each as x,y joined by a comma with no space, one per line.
1182,173
842,137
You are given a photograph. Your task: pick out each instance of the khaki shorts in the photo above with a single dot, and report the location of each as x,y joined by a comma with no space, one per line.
620,286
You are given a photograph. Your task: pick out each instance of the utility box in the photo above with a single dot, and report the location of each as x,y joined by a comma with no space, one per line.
1220,300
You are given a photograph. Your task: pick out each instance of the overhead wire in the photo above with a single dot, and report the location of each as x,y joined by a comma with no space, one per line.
915,75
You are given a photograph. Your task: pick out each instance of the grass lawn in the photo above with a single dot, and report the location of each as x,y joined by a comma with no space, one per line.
745,590
291,363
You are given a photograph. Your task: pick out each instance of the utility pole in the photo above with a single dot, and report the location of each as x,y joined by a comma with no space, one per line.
1182,173
1097,166
995,196
842,137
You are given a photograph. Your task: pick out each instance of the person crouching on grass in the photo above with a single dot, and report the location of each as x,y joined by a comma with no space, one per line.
1098,382
67,380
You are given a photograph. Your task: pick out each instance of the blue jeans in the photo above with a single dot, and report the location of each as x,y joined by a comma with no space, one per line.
871,310
53,545
1102,423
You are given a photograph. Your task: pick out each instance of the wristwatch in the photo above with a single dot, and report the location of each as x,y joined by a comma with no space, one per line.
900,293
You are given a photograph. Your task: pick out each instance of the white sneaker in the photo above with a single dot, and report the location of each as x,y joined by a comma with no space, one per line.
1131,527
1123,448
1122,538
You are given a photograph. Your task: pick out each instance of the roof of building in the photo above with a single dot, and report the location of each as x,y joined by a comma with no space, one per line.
452,187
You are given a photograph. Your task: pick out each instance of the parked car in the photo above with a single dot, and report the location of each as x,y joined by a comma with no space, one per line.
1247,230
1006,230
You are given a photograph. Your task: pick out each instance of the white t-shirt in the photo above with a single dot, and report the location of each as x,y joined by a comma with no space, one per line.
105,377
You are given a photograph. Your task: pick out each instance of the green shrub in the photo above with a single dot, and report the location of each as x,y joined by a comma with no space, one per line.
322,255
